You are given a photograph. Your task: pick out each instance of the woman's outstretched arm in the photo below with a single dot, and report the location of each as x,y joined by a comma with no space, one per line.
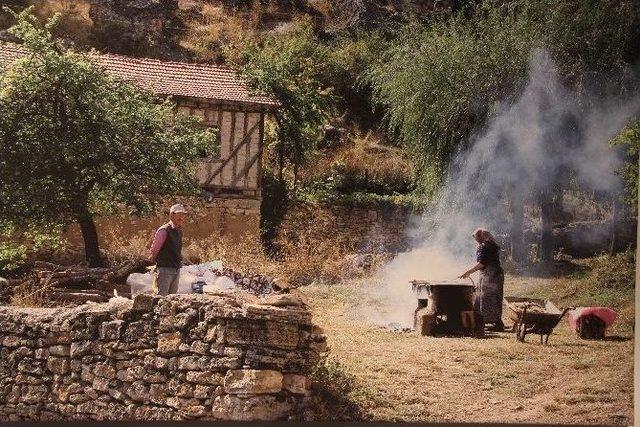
469,272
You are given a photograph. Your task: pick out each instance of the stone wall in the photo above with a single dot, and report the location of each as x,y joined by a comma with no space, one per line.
375,229
226,356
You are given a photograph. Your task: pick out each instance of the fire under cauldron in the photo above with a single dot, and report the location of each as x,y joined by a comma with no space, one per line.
445,308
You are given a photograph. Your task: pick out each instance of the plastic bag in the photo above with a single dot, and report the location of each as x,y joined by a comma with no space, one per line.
222,283
140,283
185,279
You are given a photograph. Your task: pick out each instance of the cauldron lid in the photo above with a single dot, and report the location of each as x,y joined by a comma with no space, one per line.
440,283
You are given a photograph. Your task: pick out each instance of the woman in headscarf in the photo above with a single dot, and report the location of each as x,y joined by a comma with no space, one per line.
488,300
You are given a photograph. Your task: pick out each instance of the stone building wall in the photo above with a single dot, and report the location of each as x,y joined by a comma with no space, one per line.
219,217
380,228
225,356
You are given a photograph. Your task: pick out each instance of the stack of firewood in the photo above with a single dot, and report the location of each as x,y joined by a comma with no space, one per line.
531,307
77,284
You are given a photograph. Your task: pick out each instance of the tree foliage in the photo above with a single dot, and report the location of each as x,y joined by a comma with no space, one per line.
291,68
439,81
75,142
629,137
591,40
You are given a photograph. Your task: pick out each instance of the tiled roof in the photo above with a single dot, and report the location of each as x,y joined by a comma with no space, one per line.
169,78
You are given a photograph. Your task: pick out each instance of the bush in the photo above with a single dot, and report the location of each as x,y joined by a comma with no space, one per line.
630,139
616,272
18,247
12,257
350,58
333,385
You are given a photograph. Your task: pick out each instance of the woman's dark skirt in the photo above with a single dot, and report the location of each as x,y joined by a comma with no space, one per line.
489,292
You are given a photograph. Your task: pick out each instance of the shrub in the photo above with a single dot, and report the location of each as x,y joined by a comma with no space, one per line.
333,385
616,272
18,247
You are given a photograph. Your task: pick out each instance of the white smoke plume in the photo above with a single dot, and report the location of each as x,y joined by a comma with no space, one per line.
530,143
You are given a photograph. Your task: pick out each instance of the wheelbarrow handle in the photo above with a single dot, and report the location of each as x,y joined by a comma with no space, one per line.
567,309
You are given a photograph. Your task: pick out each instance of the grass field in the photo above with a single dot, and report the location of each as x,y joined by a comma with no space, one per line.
401,376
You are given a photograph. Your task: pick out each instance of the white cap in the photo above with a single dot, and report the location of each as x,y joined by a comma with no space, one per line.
177,208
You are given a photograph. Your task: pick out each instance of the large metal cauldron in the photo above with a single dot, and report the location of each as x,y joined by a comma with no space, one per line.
442,306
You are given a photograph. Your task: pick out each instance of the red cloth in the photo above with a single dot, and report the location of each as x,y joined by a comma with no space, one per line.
605,314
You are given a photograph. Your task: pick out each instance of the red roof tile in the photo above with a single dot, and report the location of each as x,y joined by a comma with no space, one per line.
169,78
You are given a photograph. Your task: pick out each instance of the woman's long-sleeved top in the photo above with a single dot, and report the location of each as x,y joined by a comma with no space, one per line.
488,254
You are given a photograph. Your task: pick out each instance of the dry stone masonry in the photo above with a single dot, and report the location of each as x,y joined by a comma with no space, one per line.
225,356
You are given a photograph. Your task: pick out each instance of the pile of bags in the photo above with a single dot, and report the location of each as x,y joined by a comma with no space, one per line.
193,278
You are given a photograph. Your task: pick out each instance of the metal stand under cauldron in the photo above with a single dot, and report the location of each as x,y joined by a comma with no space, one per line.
445,308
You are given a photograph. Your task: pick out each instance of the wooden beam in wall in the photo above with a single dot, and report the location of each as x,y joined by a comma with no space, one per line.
260,144
247,137
246,168
248,145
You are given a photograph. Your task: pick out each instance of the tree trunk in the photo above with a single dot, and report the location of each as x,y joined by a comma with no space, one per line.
516,232
90,237
614,248
281,148
281,162
295,175
557,206
546,238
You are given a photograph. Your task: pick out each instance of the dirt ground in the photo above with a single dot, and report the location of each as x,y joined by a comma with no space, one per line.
402,376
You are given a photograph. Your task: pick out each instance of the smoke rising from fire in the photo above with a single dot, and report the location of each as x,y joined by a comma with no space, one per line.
548,136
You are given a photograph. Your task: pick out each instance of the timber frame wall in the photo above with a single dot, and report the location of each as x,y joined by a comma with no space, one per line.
237,169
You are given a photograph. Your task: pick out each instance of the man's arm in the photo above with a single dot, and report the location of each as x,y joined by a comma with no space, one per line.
158,241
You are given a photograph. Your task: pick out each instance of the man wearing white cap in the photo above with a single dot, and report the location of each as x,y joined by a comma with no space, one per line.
166,251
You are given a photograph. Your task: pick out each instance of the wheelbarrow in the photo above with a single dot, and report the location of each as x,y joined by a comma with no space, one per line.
533,316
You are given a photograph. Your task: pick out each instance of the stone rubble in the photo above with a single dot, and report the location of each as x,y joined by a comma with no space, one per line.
179,357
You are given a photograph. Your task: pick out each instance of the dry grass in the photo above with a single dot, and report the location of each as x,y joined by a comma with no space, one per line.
216,26
379,162
212,29
307,255
363,163
32,295
406,377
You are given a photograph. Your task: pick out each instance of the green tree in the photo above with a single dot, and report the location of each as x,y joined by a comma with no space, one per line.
351,56
75,142
438,82
629,137
591,40
292,68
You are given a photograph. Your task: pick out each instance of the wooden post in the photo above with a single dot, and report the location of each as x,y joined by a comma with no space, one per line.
425,321
468,320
